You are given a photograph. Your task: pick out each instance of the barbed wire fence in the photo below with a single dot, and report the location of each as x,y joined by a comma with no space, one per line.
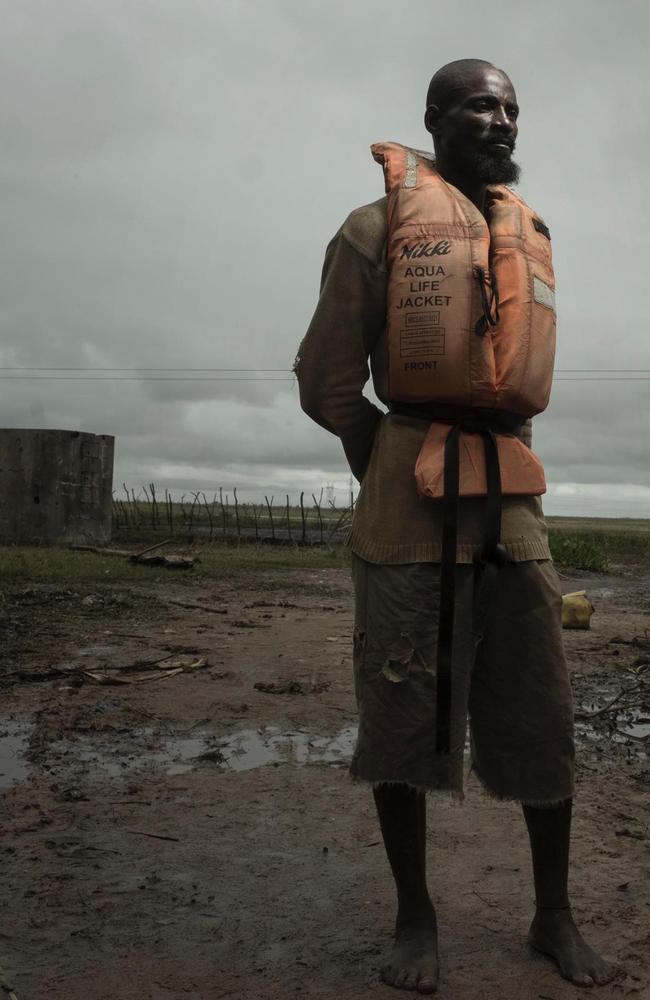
197,516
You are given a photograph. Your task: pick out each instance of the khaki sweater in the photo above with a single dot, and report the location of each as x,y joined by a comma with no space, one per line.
391,523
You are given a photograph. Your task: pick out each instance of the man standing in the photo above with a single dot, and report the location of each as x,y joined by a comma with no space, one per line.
446,286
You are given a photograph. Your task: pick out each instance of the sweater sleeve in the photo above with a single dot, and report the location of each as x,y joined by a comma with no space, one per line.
526,433
332,363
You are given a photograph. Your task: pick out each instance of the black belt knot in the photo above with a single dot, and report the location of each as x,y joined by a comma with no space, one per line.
491,555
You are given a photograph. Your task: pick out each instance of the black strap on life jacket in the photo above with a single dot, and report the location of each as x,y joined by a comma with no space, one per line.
491,554
489,300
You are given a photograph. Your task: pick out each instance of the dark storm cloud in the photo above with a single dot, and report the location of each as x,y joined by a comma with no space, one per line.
172,172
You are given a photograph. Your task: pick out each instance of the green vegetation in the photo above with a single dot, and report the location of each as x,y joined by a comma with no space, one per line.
275,568
597,550
26,566
621,544
578,551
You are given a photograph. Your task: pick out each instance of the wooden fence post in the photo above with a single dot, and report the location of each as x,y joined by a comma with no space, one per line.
289,521
236,512
128,504
270,507
209,513
154,510
223,511
192,509
115,511
320,519
170,509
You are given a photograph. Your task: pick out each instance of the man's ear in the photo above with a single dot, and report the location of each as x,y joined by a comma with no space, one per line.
432,118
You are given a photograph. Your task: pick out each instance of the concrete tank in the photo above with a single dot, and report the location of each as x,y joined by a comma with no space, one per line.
55,486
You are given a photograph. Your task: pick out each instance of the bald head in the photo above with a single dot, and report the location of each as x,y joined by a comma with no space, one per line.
455,77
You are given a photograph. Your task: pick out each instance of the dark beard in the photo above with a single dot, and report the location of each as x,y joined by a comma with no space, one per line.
494,169
487,167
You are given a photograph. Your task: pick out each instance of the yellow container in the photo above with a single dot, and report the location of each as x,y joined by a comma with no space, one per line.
577,610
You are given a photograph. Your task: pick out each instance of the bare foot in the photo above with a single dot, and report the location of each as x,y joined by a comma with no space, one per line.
554,933
413,964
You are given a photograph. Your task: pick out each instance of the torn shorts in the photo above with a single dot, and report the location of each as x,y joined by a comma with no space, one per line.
515,689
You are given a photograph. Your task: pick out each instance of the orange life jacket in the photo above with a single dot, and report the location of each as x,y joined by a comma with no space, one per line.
470,315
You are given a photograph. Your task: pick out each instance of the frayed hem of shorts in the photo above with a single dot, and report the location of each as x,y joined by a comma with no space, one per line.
455,796
533,803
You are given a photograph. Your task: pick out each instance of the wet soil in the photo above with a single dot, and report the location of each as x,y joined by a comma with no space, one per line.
178,822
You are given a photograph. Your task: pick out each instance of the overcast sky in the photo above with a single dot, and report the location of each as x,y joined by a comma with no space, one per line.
172,171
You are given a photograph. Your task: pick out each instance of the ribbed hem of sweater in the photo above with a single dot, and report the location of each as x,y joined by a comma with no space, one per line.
382,553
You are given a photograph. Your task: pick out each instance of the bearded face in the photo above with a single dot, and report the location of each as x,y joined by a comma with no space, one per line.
476,129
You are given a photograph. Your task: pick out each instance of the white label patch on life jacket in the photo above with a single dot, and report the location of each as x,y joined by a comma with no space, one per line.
543,293
411,177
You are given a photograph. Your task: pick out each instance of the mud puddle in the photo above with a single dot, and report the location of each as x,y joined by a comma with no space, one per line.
630,728
254,747
635,725
172,754
14,743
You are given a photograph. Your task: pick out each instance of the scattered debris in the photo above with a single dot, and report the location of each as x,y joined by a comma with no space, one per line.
28,675
213,756
636,641
291,687
276,604
634,834
192,606
167,562
72,795
187,664
104,677
155,836
581,714
6,986
129,802
144,558
123,675
129,673
150,548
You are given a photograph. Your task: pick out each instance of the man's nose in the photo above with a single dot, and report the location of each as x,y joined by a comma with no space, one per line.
502,120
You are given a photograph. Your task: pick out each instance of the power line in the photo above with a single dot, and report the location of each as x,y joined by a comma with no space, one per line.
37,373
607,378
602,369
73,368
233,378
139,378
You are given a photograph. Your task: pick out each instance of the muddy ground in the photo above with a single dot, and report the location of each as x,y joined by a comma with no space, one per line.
193,835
